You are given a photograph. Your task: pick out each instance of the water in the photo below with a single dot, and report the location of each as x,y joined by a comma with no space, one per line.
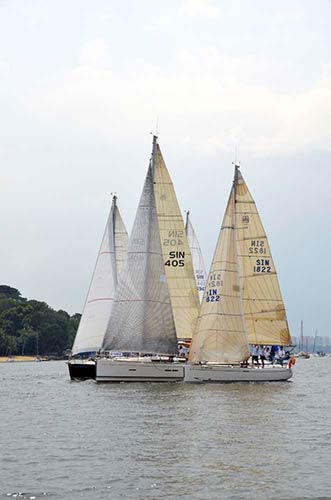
80,440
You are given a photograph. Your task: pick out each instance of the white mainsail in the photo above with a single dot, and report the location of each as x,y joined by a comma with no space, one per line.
98,305
142,318
197,258
265,314
176,252
220,335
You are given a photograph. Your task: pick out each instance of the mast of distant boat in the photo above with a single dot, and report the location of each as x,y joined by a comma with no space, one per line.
314,346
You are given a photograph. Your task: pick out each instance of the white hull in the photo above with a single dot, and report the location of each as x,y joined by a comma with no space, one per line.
221,373
117,370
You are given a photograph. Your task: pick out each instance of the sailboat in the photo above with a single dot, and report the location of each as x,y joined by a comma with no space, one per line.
153,302
176,251
302,353
99,301
241,302
197,258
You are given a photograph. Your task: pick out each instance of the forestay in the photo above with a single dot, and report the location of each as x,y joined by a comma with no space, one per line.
197,258
97,308
177,256
264,309
220,335
142,319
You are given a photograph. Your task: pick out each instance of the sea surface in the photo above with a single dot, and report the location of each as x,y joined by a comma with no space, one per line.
61,439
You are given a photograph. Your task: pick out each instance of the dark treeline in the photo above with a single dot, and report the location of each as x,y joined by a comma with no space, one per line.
30,327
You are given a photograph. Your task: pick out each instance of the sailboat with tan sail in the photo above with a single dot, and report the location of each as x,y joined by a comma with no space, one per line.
156,301
176,250
242,301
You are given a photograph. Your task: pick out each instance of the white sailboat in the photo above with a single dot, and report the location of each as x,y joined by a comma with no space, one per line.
197,258
231,310
142,324
99,301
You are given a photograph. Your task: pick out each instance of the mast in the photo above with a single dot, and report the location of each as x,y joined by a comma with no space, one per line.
315,340
113,212
234,185
186,220
301,330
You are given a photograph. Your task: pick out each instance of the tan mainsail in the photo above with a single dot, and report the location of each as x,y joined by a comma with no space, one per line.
220,334
264,309
177,256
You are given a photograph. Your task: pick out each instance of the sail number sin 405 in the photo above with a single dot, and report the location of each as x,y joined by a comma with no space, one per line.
176,259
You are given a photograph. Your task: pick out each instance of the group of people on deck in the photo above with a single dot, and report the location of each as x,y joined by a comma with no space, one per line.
261,353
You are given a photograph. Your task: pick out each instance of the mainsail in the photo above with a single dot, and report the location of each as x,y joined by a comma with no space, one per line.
100,296
265,314
197,258
176,252
220,335
142,319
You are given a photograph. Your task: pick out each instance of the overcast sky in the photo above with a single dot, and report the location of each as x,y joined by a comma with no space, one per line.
81,86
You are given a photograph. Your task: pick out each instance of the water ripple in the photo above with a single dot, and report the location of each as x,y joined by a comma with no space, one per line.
63,439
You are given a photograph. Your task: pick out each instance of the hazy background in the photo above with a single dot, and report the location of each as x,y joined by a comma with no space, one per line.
81,86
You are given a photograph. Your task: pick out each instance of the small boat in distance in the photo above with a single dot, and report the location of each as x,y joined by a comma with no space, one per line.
99,301
241,302
197,258
302,354
154,303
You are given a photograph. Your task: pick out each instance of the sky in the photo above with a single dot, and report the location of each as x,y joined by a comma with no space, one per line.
82,86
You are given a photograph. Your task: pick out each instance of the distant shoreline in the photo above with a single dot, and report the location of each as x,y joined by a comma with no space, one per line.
20,359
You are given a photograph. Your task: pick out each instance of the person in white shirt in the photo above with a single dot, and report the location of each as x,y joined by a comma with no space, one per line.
281,354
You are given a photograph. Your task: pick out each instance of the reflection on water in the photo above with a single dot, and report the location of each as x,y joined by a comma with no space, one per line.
65,439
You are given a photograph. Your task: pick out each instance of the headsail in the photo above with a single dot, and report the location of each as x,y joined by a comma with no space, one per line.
177,256
142,319
220,334
264,309
197,258
100,296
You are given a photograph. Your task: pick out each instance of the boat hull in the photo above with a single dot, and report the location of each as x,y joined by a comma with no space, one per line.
108,370
221,373
81,369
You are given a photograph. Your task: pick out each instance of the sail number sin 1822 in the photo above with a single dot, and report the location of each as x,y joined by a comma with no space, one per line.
262,266
257,246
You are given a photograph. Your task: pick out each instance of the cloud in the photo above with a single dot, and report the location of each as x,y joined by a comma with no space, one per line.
95,52
200,9
218,101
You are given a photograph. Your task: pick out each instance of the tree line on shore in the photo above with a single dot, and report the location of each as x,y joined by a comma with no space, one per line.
31,327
